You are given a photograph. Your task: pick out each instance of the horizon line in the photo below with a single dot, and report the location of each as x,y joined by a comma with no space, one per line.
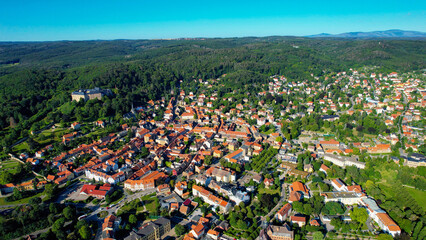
332,35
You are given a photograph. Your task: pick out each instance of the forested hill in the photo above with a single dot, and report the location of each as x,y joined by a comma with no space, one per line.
36,79
66,54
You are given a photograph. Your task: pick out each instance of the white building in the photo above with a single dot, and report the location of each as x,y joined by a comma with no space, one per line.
347,198
339,185
380,217
343,161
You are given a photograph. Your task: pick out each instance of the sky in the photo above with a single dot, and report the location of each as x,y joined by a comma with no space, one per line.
42,20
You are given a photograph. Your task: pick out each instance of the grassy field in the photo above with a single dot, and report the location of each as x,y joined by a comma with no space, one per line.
22,147
419,196
272,130
67,108
9,165
50,135
22,201
150,203
148,197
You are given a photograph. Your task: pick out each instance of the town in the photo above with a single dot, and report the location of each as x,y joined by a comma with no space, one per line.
296,160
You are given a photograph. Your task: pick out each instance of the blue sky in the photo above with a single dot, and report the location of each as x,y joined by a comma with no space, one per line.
44,20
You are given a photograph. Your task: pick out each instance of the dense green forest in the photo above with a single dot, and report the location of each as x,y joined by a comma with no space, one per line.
36,79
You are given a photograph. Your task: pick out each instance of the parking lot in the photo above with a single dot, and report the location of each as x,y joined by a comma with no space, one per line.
73,188
76,196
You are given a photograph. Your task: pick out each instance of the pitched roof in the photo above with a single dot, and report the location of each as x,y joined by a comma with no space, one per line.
285,209
298,219
388,222
299,187
294,196
324,167
330,142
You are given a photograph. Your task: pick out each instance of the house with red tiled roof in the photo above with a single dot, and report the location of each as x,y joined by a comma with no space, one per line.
294,196
96,191
339,185
198,230
283,213
180,187
68,137
331,144
217,153
210,198
301,188
387,224
109,226
222,174
213,234
299,220
277,233
235,156
315,222
33,161
164,188
146,182
268,182
63,177
380,148
324,168
50,177
100,123
355,188
75,125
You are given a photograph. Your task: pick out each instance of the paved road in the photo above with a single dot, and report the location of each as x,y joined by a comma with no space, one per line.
352,102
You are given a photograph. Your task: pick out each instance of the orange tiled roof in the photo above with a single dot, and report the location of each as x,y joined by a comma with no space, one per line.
388,222
298,186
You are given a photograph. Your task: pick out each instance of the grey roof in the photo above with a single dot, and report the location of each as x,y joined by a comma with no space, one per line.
282,231
340,181
224,224
417,157
172,198
196,218
147,229
162,221
333,195
370,203
324,117
132,236
77,93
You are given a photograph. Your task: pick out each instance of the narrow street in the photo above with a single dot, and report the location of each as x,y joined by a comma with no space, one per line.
279,204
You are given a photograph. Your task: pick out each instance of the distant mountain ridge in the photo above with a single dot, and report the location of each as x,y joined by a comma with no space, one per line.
393,33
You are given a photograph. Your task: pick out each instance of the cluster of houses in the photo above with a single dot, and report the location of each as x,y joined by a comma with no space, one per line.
297,190
347,195
354,195
196,130
391,89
